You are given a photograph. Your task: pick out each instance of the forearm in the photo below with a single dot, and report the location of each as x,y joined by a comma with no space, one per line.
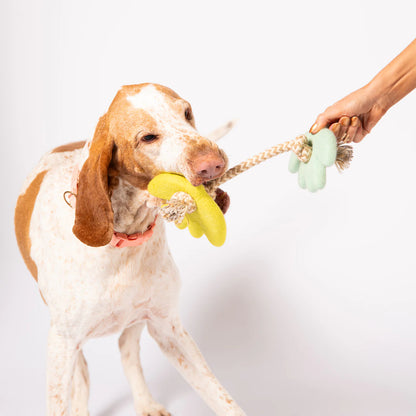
354,116
396,80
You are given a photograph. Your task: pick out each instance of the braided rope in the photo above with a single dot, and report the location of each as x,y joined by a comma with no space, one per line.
299,146
181,203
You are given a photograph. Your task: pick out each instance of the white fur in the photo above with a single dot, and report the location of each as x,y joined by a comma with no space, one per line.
93,292
171,124
177,131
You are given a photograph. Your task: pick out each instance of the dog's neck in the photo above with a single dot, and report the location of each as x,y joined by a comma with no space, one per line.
134,208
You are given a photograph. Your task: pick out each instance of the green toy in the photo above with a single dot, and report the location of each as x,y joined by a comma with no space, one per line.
194,206
312,175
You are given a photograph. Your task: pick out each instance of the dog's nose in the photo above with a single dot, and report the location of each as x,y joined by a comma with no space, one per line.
209,167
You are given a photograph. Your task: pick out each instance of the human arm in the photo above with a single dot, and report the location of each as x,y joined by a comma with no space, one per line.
354,116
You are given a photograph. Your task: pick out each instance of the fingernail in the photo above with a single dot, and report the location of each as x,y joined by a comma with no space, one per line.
314,129
345,121
354,121
336,129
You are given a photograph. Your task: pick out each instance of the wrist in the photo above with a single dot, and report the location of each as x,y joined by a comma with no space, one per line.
379,92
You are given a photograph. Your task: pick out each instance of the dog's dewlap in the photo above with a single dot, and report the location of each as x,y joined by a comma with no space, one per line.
206,219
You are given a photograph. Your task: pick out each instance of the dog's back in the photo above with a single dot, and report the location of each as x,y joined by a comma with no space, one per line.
53,170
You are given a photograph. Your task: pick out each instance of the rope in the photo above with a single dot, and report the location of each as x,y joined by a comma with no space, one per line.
175,209
299,146
181,203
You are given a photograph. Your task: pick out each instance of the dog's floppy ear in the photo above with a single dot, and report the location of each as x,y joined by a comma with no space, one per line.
93,211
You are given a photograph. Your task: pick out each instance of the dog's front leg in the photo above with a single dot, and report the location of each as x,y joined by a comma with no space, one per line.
129,344
184,354
80,387
62,354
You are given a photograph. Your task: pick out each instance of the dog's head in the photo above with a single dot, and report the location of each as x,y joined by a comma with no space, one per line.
148,129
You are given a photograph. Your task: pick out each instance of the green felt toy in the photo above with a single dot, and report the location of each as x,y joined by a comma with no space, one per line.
312,174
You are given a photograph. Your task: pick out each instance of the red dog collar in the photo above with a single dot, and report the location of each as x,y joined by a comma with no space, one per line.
121,240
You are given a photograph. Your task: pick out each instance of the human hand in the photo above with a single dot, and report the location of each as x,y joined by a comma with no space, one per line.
353,117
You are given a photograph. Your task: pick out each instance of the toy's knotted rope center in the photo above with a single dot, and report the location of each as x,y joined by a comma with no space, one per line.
180,204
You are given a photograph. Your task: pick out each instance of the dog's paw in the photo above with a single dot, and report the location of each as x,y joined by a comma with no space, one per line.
154,409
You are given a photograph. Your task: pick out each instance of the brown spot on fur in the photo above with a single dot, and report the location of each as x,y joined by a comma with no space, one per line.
69,147
22,217
44,301
136,88
130,166
113,182
166,91
128,160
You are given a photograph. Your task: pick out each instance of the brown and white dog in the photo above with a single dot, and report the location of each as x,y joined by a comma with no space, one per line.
93,288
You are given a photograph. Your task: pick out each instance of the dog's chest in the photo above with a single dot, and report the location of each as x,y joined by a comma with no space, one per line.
115,315
140,291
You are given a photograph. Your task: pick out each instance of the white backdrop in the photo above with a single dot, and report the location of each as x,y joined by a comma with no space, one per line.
310,307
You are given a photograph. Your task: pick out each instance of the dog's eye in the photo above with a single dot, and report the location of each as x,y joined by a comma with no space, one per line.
188,114
149,138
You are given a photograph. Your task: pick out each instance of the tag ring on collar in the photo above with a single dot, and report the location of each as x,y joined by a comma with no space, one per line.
65,196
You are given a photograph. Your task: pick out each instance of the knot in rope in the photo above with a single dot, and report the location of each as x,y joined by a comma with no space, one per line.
301,148
180,204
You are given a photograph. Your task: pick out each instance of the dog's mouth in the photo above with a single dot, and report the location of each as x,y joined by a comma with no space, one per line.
196,181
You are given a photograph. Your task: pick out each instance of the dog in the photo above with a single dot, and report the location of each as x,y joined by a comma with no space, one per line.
102,262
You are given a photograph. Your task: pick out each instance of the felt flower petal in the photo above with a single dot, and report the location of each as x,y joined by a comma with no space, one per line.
302,176
183,224
195,229
294,163
316,175
325,146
